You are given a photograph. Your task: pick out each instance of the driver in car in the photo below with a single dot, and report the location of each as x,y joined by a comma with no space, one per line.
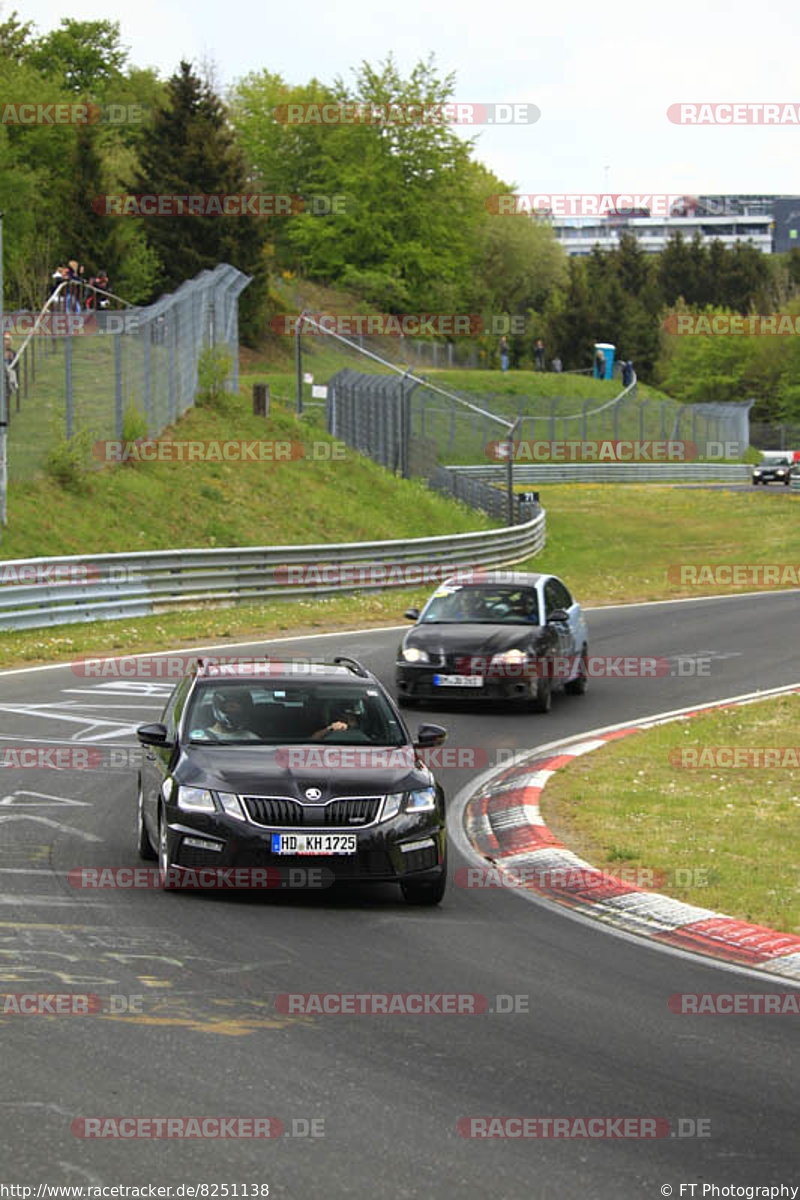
233,715
349,721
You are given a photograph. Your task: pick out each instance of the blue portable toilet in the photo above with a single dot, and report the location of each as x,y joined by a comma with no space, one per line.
607,350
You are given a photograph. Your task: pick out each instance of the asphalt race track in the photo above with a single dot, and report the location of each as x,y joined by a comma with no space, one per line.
597,1039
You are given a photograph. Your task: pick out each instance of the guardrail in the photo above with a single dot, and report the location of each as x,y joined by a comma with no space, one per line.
39,592
795,484
610,472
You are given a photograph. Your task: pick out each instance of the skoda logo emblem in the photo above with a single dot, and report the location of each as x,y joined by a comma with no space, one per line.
313,793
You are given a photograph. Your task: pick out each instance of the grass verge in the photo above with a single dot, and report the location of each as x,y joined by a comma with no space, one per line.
722,838
611,543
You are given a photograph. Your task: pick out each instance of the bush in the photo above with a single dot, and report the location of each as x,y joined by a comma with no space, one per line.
213,370
68,461
134,424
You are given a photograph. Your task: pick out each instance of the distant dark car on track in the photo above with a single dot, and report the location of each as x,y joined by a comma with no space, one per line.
505,635
775,468
291,765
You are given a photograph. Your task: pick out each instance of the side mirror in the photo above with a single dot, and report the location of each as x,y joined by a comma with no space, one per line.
153,735
411,614
430,735
558,614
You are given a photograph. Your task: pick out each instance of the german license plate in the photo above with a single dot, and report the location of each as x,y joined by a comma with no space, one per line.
314,843
458,681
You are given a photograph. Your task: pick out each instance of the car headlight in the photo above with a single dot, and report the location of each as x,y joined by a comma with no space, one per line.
232,805
781,471
421,801
391,806
192,799
510,656
413,654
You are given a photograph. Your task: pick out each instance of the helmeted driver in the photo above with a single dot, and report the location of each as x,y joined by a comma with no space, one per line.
233,715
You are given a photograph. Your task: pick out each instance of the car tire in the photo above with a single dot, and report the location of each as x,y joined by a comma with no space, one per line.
424,892
578,685
145,846
166,868
542,694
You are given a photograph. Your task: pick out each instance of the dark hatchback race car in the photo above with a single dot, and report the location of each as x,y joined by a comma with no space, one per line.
503,635
774,468
290,766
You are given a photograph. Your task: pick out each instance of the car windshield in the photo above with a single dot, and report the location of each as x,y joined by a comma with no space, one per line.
274,714
482,605
778,460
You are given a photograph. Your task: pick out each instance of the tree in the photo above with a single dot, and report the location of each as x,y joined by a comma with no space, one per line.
87,55
191,151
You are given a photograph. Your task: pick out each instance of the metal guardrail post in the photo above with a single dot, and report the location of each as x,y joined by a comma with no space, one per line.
69,413
510,473
3,405
298,365
118,418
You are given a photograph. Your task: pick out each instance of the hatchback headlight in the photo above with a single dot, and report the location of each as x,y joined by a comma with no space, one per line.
192,799
391,806
414,654
421,801
510,656
232,805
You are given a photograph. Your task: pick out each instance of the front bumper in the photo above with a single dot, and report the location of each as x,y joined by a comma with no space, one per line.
416,682
408,845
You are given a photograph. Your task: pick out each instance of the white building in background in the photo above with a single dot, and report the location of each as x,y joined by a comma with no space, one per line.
729,219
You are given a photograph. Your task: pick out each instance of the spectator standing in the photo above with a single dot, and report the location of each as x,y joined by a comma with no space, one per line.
627,373
504,353
12,383
538,354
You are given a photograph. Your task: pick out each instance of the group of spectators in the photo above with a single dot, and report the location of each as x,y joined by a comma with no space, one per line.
78,289
538,355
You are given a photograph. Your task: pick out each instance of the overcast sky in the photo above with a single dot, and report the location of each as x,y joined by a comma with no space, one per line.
603,76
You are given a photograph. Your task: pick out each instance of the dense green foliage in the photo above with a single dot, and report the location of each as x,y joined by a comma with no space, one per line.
398,214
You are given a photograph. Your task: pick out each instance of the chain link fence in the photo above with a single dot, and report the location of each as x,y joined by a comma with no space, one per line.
767,435
109,360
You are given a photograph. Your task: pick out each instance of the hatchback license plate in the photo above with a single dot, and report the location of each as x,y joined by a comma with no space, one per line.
458,680
314,843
